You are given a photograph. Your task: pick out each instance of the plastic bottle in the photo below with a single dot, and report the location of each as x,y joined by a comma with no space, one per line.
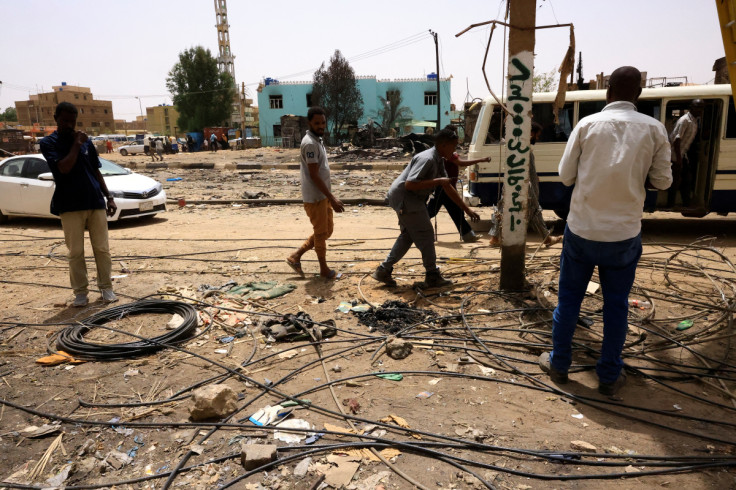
637,303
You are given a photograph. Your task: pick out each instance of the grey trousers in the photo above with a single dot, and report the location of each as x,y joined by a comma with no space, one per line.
416,228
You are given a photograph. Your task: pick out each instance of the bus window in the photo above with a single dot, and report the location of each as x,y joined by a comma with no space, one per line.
551,132
650,107
586,109
731,121
496,127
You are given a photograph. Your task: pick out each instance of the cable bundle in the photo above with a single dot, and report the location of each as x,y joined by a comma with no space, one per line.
71,339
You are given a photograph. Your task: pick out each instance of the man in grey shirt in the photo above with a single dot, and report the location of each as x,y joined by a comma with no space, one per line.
408,197
316,194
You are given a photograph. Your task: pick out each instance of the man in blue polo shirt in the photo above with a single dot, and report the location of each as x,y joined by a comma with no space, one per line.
80,199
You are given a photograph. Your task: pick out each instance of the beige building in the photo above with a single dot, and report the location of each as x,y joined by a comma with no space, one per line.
95,116
161,119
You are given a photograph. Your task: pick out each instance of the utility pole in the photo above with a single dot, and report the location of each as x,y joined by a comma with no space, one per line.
522,22
242,111
437,60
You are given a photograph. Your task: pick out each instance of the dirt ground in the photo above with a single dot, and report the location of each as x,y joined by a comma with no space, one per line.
471,393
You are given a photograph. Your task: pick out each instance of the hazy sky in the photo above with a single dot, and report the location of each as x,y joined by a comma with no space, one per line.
124,49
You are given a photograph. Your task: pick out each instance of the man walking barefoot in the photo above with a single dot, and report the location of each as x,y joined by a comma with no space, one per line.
319,202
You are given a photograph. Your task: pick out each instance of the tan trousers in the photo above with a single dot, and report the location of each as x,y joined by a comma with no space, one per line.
320,214
74,223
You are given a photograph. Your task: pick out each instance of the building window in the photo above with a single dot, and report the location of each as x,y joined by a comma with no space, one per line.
166,112
76,96
107,124
81,111
277,130
309,100
430,98
276,101
93,110
105,111
167,120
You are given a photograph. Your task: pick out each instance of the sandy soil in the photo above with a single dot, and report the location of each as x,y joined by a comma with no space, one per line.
196,245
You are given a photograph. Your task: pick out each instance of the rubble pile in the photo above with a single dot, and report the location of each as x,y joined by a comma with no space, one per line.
393,316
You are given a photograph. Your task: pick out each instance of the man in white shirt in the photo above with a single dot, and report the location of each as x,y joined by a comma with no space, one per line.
611,157
319,202
683,164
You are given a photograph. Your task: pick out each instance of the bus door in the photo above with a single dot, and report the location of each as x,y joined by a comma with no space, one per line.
692,197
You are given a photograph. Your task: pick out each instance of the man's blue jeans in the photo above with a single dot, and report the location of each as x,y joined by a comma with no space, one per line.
616,263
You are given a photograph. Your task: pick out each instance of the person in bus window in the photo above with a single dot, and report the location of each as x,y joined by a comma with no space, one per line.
684,161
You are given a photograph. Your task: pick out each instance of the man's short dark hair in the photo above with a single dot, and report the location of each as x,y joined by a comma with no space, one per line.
314,111
625,83
66,107
445,135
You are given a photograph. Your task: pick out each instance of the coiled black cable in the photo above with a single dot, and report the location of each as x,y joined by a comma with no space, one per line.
71,339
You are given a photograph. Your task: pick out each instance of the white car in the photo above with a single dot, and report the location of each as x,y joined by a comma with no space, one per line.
131,149
27,185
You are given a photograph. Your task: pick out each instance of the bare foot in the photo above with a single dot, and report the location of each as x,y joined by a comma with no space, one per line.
551,240
495,242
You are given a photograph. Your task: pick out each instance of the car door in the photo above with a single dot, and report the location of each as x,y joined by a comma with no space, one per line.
35,194
10,182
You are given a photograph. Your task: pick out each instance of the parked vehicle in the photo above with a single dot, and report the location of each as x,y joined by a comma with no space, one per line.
714,186
27,185
132,148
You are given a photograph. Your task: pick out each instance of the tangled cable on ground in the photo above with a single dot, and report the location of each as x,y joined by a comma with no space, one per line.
71,339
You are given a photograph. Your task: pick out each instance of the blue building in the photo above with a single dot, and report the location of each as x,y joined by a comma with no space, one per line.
276,99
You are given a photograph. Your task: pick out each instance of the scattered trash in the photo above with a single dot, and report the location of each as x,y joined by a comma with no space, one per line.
131,372
33,432
390,376
342,473
336,368
253,456
213,401
583,446
261,290
577,415
288,354
400,421
346,306
269,414
685,324
641,304
116,459
119,276
424,394
352,404
303,466
123,431
434,381
174,179
227,340
393,316
58,479
293,328
592,288
312,439
398,348
631,469
59,357
220,351
677,407
291,437
486,371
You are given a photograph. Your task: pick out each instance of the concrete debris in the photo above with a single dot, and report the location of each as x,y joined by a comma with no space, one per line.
214,401
117,460
583,446
302,468
253,456
398,348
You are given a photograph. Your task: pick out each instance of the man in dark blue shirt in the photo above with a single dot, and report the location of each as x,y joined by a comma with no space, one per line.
81,200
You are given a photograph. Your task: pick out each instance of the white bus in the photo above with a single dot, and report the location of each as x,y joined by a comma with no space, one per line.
713,153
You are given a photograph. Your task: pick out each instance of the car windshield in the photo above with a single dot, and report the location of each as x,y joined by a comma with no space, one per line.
109,168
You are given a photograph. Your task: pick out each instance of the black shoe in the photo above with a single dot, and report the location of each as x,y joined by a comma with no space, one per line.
433,279
610,389
383,275
554,374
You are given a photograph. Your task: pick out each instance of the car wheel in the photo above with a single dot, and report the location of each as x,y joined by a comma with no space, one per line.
124,152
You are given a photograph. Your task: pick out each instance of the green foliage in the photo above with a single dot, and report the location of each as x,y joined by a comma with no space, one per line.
335,89
390,110
201,93
9,114
545,82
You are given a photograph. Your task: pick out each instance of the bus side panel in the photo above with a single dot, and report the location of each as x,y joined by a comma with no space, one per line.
553,195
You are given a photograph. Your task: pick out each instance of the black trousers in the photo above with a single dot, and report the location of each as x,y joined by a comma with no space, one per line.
439,199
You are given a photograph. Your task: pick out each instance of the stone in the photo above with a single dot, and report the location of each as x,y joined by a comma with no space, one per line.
253,456
117,460
214,401
398,349
583,446
303,466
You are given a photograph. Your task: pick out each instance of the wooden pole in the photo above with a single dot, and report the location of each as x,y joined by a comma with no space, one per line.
518,131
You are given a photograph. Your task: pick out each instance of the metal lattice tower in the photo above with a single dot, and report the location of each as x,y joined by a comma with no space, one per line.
226,59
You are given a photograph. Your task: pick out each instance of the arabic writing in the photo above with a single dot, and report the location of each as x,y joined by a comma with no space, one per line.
518,146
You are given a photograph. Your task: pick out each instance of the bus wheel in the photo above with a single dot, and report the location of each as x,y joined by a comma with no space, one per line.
562,213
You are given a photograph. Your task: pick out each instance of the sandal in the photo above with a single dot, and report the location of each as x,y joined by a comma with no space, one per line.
296,267
332,275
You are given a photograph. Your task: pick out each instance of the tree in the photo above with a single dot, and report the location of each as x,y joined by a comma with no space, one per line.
335,89
202,94
545,82
390,110
9,114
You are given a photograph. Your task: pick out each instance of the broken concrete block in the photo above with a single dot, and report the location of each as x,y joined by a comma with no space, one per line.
583,446
255,455
302,468
214,401
117,460
398,349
